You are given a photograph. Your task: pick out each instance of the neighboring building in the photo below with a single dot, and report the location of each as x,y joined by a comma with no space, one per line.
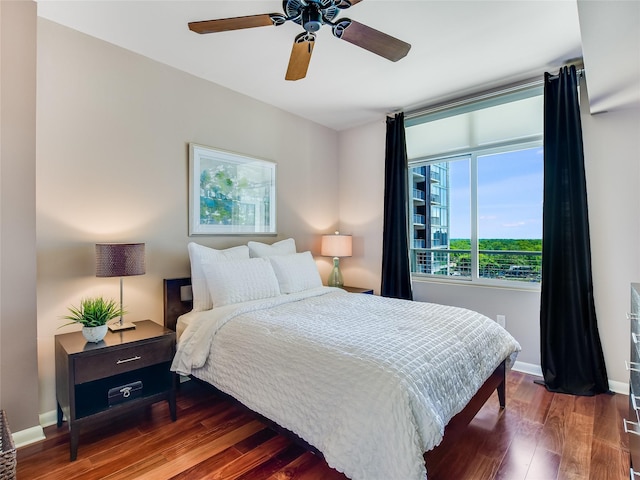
430,213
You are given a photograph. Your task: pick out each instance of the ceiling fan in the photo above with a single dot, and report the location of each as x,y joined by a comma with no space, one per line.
312,15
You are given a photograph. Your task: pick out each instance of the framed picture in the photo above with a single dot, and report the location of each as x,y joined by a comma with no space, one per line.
230,194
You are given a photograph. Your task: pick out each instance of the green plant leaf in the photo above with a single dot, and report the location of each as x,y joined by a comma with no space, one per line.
93,312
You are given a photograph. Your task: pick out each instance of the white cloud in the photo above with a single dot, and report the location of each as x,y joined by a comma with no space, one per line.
513,225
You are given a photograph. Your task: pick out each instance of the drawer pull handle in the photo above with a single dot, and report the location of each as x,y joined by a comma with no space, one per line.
633,366
630,430
633,402
127,360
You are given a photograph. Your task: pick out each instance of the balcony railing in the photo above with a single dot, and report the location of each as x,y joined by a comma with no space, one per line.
422,268
420,170
418,219
418,194
419,243
514,265
434,199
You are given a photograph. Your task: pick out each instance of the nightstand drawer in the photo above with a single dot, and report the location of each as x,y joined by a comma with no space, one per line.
121,360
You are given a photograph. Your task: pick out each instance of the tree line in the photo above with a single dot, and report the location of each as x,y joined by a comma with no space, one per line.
498,265
516,244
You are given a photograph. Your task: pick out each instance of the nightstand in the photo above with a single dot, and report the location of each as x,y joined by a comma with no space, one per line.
87,372
368,291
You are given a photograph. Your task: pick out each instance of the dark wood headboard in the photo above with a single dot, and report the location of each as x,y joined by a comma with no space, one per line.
174,304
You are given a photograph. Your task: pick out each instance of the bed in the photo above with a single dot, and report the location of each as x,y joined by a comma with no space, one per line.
370,383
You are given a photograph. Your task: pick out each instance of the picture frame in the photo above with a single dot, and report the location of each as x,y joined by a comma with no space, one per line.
230,193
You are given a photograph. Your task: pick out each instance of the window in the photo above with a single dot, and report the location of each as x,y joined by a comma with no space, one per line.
476,182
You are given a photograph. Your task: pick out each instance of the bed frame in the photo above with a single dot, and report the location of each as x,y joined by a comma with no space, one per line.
177,301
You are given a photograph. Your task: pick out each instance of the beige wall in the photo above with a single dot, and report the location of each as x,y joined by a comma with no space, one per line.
113,133
362,202
612,164
18,367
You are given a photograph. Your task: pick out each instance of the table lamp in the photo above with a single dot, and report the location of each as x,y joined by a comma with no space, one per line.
120,260
336,246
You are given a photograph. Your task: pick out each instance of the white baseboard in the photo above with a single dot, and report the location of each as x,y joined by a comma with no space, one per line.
619,387
35,434
48,418
528,368
28,436
531,369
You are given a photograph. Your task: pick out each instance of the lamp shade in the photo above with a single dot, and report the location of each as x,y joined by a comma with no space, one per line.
119,259
336,245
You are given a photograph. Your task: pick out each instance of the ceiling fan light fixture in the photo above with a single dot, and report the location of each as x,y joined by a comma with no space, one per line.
311,18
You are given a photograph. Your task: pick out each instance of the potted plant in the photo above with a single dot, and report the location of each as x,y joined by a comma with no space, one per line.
93,314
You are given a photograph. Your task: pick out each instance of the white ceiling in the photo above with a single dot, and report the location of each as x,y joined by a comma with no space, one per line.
458,47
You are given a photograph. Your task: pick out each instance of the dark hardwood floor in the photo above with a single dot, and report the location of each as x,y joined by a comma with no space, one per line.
540,436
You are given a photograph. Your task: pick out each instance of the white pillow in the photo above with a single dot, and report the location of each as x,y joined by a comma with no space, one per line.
296,272
283,247
240,281
199,254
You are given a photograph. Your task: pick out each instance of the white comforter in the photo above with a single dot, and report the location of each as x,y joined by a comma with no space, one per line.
369,381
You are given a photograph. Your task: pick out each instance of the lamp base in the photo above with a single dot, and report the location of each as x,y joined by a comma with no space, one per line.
335,277
116,327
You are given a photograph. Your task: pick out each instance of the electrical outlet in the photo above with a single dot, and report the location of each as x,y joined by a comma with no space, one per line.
502,321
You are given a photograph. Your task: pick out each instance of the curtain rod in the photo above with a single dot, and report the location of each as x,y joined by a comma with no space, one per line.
523,85
579,74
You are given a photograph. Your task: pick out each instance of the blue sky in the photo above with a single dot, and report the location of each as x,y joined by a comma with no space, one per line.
509,196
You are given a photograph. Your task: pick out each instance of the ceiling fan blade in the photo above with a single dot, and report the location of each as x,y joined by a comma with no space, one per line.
236,23
371,39
300,56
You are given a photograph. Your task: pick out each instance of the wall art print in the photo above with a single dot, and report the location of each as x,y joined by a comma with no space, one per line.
230,194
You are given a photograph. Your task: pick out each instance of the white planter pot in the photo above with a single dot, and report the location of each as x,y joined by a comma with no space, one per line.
94,334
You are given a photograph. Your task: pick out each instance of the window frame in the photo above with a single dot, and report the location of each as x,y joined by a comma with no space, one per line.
472,153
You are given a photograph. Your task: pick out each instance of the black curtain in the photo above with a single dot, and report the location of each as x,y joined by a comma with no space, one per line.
571,353
396,272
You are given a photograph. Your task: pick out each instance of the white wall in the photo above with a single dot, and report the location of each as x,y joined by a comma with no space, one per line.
612,164
113,130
